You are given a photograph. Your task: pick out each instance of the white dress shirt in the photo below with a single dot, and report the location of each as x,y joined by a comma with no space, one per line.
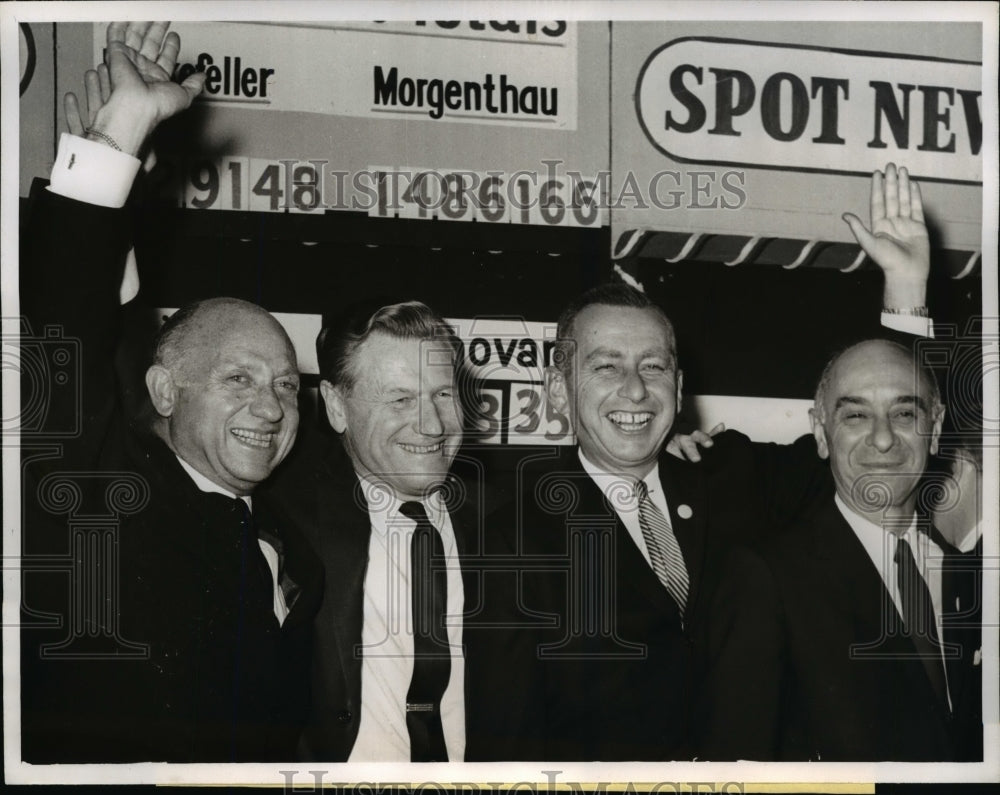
620,492
270,553
880,544
387,633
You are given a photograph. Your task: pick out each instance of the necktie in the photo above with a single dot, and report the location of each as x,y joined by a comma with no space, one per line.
431,655
919,623
256,583
664,551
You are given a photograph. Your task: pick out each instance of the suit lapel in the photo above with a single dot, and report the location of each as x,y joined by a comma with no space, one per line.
857,585
342,508
684,489
466,523
631,569
961,600
853,581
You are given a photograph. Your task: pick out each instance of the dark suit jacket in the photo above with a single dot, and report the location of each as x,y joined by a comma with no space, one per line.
145,636
833,676
319,488
606,668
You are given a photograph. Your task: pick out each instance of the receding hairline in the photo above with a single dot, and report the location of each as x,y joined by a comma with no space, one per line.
652,309
901,351
568,328
207,323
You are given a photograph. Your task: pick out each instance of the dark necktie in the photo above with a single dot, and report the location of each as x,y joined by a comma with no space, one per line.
919,622
431,654
256,583
664,551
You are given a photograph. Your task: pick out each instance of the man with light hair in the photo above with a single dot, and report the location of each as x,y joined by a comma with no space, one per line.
402,665
184,633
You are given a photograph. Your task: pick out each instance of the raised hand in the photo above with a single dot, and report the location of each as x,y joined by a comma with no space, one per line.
80,118
140,61
897,240
97,84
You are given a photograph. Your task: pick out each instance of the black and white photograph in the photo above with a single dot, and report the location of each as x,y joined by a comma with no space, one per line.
397,398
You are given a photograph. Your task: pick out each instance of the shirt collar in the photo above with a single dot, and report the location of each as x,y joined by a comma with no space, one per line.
879,543
206,485
611,484
383,500
860,524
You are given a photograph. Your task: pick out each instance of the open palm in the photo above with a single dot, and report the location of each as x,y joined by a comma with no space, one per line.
897,240
141,57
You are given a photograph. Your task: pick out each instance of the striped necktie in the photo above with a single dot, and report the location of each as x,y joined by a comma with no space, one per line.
664,551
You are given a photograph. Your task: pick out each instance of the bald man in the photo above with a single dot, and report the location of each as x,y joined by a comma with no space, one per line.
862,638
183,631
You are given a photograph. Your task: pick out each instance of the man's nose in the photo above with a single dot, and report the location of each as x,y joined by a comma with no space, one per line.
633,387
266,404
430,418
882,437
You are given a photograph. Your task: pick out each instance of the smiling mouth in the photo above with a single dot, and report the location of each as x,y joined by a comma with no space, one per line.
881,464
253,438
630,421
422,449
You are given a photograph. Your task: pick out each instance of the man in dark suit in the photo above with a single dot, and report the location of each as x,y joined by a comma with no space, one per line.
867,641
622,543
390,681
183,632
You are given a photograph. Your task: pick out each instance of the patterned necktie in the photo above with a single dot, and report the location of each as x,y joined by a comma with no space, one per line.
431,655
919,621
664,551
290,589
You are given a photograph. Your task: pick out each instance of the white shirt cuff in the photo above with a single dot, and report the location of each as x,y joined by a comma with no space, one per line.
909,324
91,172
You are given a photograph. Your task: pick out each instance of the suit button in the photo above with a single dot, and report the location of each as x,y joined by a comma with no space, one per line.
344,716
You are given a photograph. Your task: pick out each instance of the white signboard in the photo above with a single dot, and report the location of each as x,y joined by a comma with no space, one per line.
509,73
817,109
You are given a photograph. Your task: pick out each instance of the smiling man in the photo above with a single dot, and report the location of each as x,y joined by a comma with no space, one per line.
609,680
877,419
867,641
183,632
394,530
224,385
621,384
623,544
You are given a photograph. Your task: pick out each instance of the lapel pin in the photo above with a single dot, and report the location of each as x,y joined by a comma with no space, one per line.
958,604
684,511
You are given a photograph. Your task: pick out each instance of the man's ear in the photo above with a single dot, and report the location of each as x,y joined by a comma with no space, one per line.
556,390
336,407
936,429
162,389
819,433
680,389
